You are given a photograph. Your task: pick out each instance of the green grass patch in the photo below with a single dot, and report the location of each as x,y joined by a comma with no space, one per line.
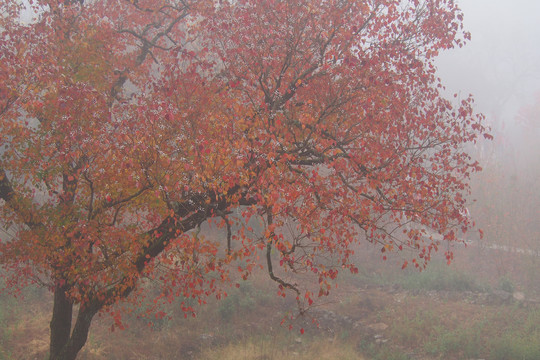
439,277
521,340
510,333
243,299
513,347
463,342
414,330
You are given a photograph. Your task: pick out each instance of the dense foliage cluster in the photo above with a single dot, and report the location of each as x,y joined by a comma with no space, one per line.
298,127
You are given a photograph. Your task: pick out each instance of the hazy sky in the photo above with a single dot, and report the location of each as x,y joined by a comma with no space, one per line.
501,65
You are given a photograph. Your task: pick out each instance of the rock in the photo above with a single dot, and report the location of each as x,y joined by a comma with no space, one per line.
519,296
399,297
378,327
206,337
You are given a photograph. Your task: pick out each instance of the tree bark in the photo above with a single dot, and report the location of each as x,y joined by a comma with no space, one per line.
61,322
65,343
79,335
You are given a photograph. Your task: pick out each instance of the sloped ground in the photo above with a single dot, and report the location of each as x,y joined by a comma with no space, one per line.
443,313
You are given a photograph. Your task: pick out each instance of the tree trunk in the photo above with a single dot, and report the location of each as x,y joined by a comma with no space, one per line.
61,322
66,344
79,335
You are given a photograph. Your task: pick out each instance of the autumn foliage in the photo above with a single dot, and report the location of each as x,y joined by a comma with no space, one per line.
297,127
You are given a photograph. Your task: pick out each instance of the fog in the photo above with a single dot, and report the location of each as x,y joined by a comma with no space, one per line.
485,304
500,67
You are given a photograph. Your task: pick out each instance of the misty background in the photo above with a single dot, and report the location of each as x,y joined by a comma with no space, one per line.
500,66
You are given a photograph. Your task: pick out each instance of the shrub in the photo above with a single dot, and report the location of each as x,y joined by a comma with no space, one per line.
440,277
506,284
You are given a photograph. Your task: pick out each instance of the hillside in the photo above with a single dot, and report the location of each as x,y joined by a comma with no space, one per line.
446,312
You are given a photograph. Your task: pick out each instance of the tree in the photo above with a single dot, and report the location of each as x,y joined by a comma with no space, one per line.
299,127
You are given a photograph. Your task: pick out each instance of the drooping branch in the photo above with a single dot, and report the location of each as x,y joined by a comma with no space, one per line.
270,267
229,231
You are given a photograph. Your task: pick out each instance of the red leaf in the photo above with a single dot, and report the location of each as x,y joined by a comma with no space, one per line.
160,315
274,150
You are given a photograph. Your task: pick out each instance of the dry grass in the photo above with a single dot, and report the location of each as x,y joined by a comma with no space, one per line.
246,326
268,350
26,331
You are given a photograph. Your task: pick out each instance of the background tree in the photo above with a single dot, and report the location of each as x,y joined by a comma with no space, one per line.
299,127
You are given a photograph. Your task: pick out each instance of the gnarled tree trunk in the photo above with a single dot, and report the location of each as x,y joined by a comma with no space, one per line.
66,343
